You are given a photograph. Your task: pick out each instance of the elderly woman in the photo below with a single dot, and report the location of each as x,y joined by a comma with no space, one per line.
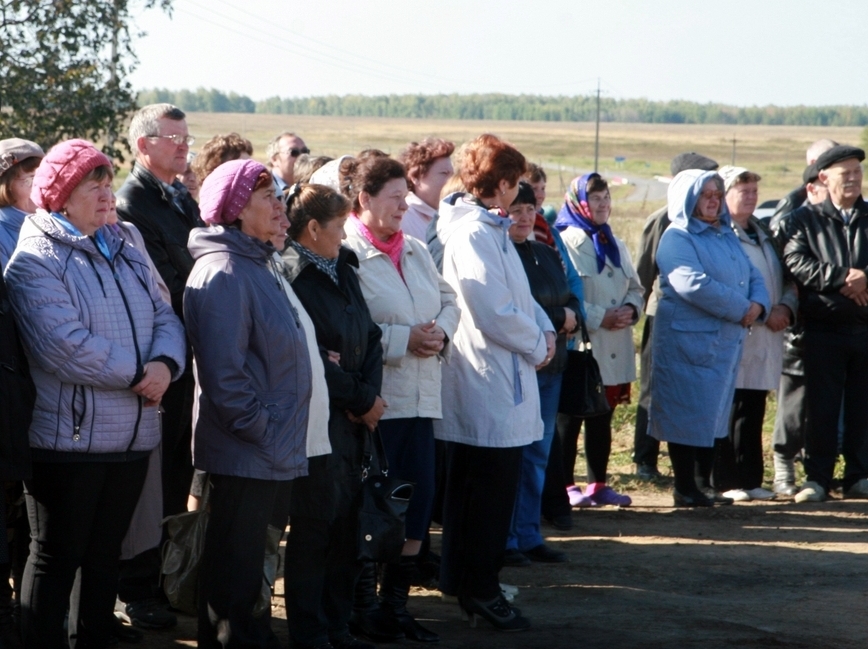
550,288
254,376
428,170
417,313
490,395
738,464
321,549
612,301
712,295
18,162
103,347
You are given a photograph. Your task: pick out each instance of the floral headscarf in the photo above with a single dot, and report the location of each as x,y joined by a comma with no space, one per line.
575,212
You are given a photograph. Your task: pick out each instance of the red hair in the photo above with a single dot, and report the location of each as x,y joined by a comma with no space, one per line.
486,161
418,157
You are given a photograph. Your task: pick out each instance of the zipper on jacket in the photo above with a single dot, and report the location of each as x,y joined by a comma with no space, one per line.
76,425
135,344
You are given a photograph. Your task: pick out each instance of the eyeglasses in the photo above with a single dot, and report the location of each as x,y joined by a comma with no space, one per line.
177,140
709,195
294,153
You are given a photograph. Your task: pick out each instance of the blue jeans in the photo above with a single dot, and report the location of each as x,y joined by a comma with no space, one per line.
524,532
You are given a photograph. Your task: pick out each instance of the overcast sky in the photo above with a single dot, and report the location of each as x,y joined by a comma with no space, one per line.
743,52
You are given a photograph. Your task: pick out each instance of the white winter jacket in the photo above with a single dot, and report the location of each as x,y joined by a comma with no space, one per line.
490,393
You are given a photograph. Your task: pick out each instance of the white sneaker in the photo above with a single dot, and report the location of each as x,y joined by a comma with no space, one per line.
737,495
811,492
760,494
858,490
508,591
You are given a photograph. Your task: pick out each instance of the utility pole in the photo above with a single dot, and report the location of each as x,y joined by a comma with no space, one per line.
111,136
597,137
733,150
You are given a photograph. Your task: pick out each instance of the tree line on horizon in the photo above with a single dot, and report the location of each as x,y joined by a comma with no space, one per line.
511,107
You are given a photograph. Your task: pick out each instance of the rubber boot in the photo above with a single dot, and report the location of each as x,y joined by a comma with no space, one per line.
394,592
367,619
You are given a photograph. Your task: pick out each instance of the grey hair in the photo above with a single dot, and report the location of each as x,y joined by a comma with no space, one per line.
274,147
144,122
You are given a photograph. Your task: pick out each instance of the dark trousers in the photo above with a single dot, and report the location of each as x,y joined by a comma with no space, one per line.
140,576
230,577
409,446
481,485
738,462
791,418
645,448
320,576
79,513
691,466
598,444
836,368
555,501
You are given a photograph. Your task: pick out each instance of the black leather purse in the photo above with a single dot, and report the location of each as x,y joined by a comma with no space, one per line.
384,505
582,390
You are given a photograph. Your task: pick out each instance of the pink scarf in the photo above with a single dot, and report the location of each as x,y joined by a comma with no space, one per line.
392,247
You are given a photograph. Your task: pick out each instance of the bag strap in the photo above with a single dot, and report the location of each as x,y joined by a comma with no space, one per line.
586,338
374,445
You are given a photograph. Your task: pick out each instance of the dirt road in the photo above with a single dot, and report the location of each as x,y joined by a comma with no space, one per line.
750,575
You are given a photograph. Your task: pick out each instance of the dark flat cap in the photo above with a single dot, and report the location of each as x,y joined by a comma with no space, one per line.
838,153
810,174
684,161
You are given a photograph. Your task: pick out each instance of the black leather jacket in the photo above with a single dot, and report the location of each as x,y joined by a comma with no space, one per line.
549,287
144,202
819,253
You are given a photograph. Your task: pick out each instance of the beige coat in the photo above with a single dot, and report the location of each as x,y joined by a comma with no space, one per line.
411,385
614,287
763,355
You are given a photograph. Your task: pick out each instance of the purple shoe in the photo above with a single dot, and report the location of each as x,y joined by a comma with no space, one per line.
608,496
577,498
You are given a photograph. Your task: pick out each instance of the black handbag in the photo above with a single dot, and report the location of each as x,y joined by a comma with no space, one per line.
582,390
384,505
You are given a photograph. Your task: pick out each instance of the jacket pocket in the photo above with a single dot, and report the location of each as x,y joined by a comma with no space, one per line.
278,405
696,342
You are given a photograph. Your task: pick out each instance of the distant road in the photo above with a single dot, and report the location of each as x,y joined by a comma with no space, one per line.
644,189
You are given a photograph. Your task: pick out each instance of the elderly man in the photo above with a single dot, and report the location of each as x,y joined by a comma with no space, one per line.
827,255
646,448
282,152
161,207
788,439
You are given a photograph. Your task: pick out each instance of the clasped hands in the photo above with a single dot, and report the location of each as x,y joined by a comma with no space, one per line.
856,286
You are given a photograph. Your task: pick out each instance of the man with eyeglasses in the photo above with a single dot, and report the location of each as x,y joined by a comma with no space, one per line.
282,152
164,212
827,254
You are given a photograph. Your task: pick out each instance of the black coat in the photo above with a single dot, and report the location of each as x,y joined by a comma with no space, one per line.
819,253
17,396
143,201
343,324
549,287
794,335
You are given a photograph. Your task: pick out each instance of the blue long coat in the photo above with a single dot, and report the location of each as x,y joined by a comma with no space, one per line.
708,284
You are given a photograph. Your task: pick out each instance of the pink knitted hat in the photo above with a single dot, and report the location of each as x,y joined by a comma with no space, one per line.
62,170
226,190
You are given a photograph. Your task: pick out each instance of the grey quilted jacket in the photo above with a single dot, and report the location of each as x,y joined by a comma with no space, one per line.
89,326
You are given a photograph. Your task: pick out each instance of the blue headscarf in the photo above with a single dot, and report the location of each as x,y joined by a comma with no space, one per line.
575,212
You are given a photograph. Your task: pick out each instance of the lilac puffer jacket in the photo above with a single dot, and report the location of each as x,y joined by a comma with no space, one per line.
88,327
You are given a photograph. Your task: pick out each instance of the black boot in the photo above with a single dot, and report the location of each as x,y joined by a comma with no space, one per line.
367,620
394,592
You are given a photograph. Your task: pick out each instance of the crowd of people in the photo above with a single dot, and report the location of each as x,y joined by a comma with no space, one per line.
243,337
